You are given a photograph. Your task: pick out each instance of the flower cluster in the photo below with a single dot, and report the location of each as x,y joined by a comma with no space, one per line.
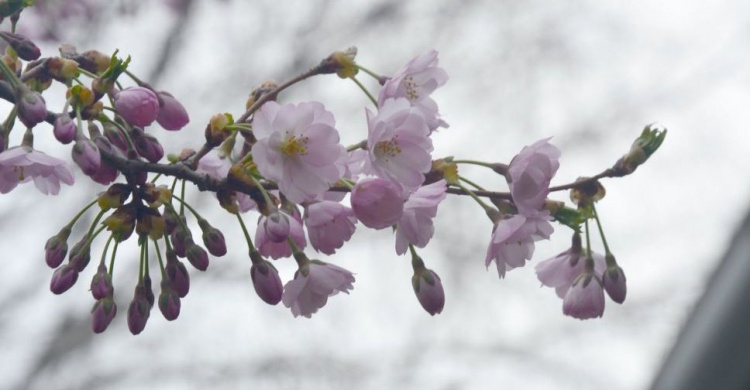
283,163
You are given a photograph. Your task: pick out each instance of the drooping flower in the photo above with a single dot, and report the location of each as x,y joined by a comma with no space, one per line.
266,281
415,225
585,299
512,241
137,105
377,203
172,115
32,109
429,290
86,155
276,250
298,147
329,225
64,129
399,144
102,314
530,173
313,283
416,81
22,163
559,272
614,282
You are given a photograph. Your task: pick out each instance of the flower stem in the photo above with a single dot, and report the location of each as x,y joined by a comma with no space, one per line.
369,72
161,263
474,162
601,231
112,259
192,210
245,232
106,246
471,193
362,87
471,183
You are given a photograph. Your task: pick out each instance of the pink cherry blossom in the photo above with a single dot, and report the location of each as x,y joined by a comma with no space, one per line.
172,115
399,144
22,163
415,225
416,81
276,250
298,148
329,225
137,105
377,203
512,241
561,271
585,299
313,284
530,173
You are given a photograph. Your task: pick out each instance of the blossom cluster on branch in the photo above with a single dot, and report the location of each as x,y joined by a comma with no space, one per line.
285,162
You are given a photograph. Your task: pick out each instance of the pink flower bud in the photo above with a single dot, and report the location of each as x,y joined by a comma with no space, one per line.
377,203
613,280
31,107
266,281
86,155
137,105
197,256
138,311
64,129
101,284
63,279
80,254
56,248
172,115
148,147
585,299
429,290
276,226
181,238
169,301
213,239
115,136
179,278
25,49
102,314
106,174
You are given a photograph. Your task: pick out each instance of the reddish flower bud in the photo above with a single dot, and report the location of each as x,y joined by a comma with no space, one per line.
102,314
181,239
25,49
614,283
115,136
63,279
429,290
169,301
138,311
172,115
56,248
80,254
86,155
31,107
213,239
179,278
266,280
64,129
197,256
101,284
148,147
170,219
137,105
276,226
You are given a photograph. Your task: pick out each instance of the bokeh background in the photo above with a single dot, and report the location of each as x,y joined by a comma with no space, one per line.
591,74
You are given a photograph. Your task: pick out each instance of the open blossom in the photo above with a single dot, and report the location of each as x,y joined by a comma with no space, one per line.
298,148
276,250
313,283
22,163
416,81
137,105
399,144
415,225
530,173
512,241
561,271
585,299
329,225
377,203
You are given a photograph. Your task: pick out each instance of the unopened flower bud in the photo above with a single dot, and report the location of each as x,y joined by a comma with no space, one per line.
429,290
62,69
171,219
80,254
137,105
64,129
102,314
614,280
169,301
115,136
197,256
138,311
86,155
266,280
213,239
643,147
63,279
179,278
101,284
181,239
31,107
56,248
148,147
25,49
94,61
377,203
276,226
172,115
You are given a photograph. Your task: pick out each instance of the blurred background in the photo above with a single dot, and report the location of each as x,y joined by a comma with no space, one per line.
588,73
